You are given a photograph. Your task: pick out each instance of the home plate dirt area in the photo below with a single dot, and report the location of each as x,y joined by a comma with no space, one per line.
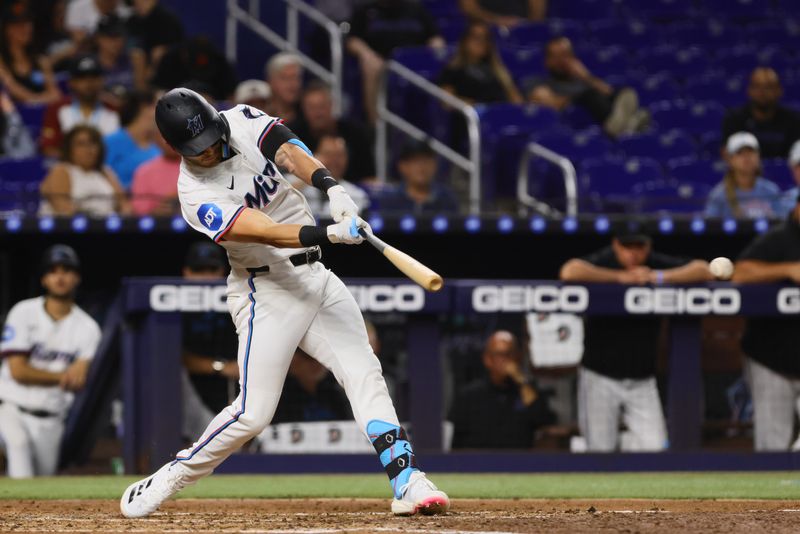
372,515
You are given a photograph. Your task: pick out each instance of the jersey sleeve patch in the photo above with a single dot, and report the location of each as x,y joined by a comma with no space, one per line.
210,216
8,333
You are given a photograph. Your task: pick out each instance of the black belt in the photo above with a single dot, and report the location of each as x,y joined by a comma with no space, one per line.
304,258
35,413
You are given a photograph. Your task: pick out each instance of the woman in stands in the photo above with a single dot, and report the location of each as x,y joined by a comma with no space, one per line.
476,74
27,77
81,183
743,192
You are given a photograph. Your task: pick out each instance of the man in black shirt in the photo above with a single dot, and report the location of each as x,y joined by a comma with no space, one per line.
776,127
772,344
617,374
209,347
502,410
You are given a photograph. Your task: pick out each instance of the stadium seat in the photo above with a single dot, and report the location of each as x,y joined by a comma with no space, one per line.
632,35
661,147
695,118
739,10
696,171
727,91
670,196
659,10
698,32
681,63
522,63
32,115
777,170
423,60
19,180
528,35
608,60
609,182
582,9
578,146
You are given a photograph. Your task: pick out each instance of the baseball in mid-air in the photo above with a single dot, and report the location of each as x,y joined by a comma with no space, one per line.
721,268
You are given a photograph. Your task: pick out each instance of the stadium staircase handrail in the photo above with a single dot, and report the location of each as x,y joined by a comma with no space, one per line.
532,150
250,19
386,117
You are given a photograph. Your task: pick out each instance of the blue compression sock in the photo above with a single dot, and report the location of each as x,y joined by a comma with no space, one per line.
397,457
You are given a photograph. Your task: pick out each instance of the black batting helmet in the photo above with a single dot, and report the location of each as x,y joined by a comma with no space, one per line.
63,255
188,122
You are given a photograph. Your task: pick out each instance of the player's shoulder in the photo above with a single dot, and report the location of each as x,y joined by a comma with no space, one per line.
241,114
27,307
84,320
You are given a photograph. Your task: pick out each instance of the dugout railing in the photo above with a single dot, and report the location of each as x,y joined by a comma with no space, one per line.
151,347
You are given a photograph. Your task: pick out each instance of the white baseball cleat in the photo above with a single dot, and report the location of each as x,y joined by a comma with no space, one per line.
420,495
142,498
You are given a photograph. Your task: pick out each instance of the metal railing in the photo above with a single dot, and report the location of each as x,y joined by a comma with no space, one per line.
471,165
567,171
250,19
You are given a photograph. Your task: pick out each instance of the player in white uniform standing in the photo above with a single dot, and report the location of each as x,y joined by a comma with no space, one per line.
47,345
279,296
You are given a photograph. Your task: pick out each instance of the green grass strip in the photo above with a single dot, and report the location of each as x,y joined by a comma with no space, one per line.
768,485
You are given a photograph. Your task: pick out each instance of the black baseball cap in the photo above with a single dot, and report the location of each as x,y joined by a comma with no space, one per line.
111,25
85,66
204,255
63,255
632,233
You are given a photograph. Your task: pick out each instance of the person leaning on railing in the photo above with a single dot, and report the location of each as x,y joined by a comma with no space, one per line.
81,183
772,344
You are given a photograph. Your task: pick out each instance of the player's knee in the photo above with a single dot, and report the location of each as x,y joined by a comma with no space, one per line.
255,421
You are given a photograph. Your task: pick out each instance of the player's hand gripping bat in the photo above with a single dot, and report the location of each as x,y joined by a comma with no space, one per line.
408,265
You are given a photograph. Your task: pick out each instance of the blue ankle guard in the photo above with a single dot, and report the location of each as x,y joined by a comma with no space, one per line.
397,457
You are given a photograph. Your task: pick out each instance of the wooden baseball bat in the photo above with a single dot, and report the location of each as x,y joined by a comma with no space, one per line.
413,269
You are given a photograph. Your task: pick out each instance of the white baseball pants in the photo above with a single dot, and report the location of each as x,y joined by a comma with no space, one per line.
32,443
601,402
774,403
274,313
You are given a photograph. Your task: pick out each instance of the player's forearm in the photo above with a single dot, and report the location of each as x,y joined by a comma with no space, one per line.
253,226
694,271
24,374
576,270
754,272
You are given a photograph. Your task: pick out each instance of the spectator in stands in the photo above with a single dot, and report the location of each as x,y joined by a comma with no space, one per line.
197,59
332,152
776,127
81,183
51,33
254,93
790,196
15,140
209,346
81,106
134,143
617,374
154,190
27,76
82,16
152,30
311,393
771,343
47,345
476,74
419,192
743,192
506,13
284,74
569,82
318,121
109,41
502,410
380,26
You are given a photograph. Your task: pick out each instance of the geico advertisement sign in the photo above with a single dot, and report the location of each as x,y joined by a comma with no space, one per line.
691,301
789,300
543,298
387,298
166,298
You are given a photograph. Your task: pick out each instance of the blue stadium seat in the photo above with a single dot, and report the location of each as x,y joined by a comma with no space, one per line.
451,28
522,63
532,34
32,115
19,182
695,118
660,10
631,35
698,32
739,10
610,182
671,196
582,9
727,91
710,143
777,170
680,63
608,60
696,171
577,147
655,88
659,146
423,60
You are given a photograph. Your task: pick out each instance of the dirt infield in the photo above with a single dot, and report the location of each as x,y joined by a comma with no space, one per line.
371,515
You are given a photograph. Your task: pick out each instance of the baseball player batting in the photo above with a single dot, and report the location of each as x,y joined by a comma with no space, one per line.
279,295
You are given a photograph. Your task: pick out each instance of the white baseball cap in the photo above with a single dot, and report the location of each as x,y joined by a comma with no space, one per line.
741,140
251,89
794,154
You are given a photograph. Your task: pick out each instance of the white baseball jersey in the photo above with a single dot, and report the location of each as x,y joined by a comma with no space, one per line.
50,345
212,198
